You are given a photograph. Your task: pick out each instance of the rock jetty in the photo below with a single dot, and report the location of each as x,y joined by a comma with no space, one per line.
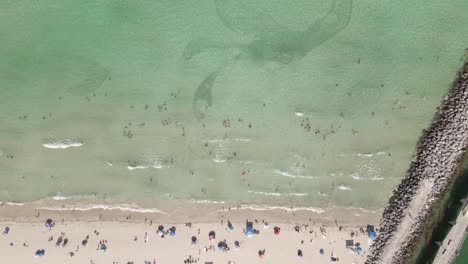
438,154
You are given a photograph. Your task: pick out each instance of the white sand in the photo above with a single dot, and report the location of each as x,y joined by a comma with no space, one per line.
26,227
280,248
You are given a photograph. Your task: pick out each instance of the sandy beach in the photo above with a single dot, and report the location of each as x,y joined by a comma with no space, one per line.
124,234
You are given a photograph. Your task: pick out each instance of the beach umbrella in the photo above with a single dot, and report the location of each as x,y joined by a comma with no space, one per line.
359,250
372,235
194,240
276,230
172,231
211,235
249,231
40,253
322,252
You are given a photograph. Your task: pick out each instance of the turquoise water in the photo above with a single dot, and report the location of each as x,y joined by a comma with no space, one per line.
279,102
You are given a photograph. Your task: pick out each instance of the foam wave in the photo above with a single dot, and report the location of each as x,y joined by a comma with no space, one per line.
298,194
149,160
138,167
266,193
218,159
367,155
206,201
289,175
12,203
367,170
242,139
344,188
61,197
227,140
278,194
123,207
255,207
357,177
62,144
142,167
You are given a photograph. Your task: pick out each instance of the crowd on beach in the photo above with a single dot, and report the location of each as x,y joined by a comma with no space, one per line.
212,244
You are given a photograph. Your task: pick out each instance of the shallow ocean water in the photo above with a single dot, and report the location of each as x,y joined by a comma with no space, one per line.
213,100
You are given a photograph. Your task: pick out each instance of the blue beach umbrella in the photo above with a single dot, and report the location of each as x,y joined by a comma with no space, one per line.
322,251
249,231
40,253
372,235
172,231
359,250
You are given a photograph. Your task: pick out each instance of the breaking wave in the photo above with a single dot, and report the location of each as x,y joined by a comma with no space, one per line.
62,144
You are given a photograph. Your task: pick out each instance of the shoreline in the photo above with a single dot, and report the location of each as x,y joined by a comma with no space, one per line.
439,152
180,212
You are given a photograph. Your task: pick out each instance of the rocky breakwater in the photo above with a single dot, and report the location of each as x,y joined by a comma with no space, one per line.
438,154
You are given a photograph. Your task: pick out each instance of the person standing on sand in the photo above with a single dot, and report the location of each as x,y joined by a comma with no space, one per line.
5,232
261,253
